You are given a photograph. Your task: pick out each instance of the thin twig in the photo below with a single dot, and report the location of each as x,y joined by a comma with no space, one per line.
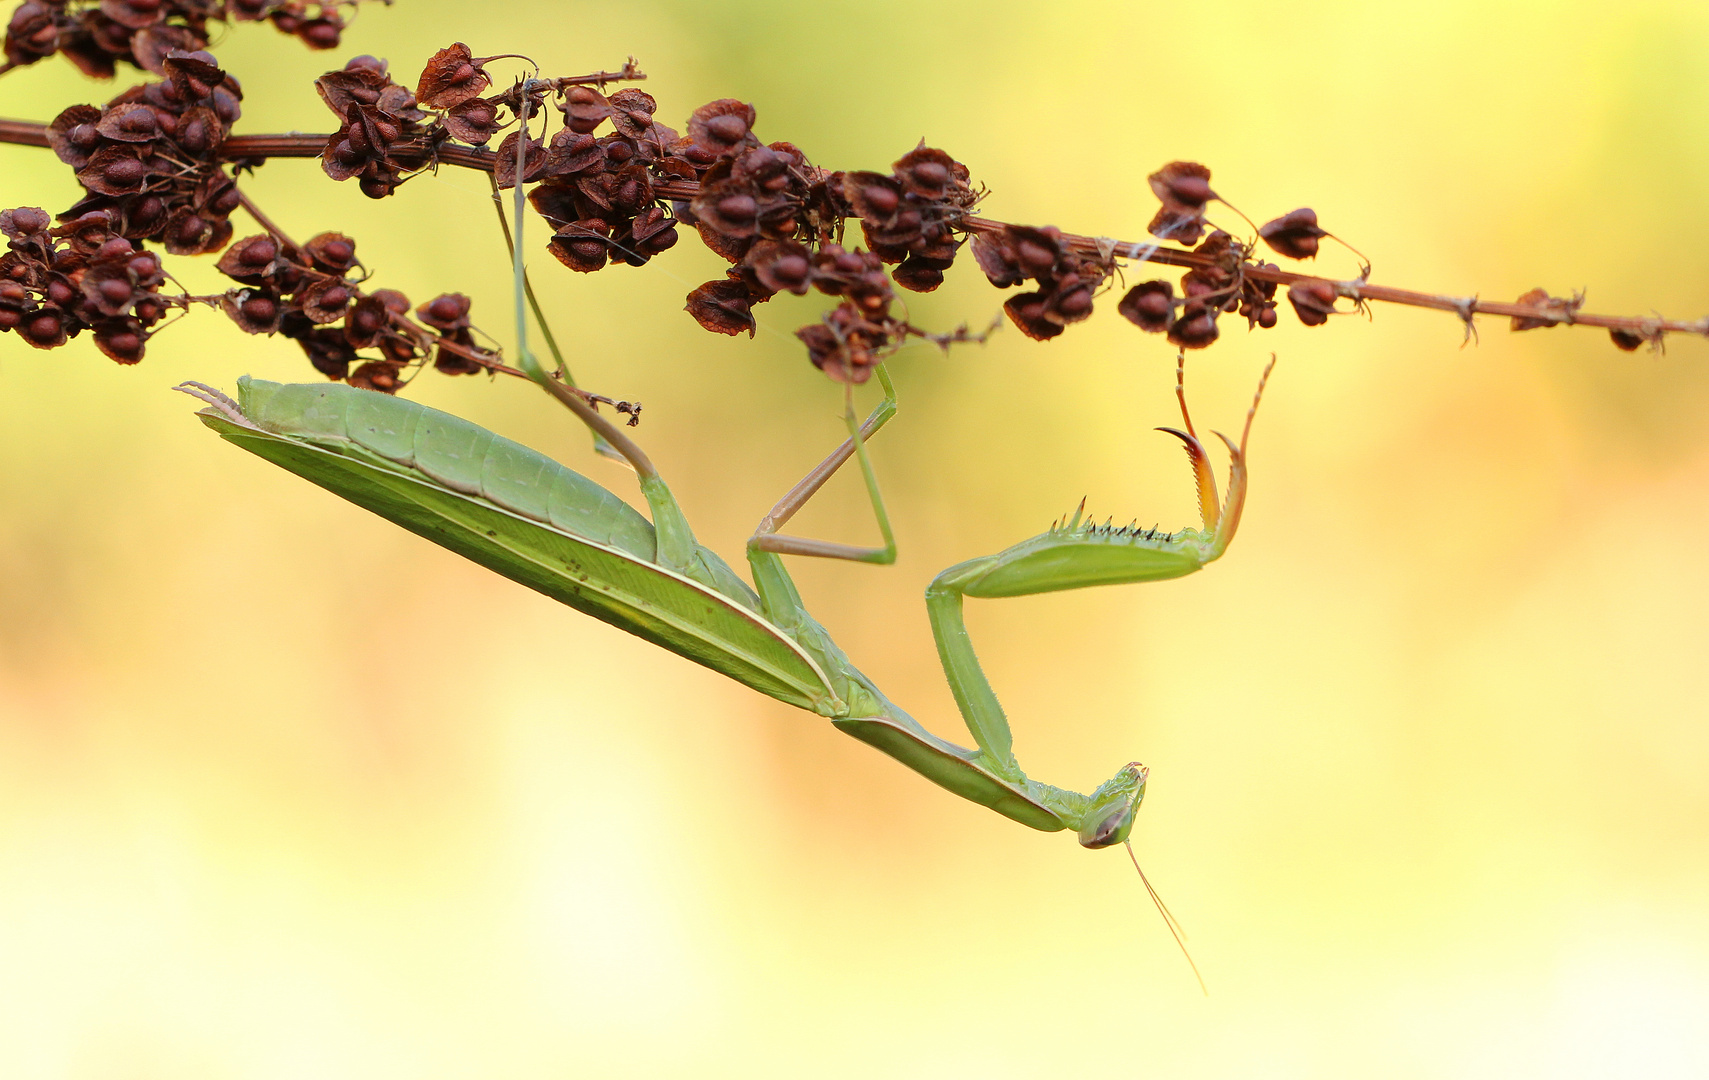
264,221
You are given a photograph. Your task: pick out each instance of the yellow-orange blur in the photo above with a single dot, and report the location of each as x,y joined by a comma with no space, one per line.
287,792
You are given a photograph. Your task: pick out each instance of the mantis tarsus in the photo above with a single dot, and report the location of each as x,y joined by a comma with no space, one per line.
531,519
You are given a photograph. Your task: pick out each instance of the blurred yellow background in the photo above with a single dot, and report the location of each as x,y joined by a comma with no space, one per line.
287,792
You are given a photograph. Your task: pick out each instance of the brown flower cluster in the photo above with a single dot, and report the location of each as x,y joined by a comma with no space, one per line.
911,216
857,333
617,186
382,134
55,283
1067,281
314,297
96,35
1190,321
151,157
778,219
603,189
599,191
1224,283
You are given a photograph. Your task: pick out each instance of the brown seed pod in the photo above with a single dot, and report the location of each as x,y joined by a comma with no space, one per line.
723,306
571,152
130,124
504,165
874,197
446,313
582,245
190,233
88,234
116,169
255,311
1626,340
1194,331
652,232
1540,298
250,260
332,356
726,205
921,274
632,112
451,77
1183,183
73,134
1184,189
45,327
1313,301
122,340
366,320
474,121
1294,234
381,375
584,109
356,84
781,266
1026,310
1036,251
326,300
193,75
331,252
926,173
721,127
322,33
1150,305
997,258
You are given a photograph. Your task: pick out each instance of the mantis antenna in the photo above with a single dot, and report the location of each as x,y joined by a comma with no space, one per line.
1175,930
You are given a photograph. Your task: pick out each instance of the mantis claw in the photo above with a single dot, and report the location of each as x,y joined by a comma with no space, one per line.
1210,511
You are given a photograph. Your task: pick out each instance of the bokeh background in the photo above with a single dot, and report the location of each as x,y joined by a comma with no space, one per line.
285,791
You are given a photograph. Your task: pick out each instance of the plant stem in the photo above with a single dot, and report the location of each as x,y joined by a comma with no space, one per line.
251,147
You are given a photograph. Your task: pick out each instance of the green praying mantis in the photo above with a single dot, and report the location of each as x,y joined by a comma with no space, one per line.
539,523
524,515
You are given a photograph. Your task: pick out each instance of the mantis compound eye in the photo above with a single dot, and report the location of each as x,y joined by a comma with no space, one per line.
1109,825
1114,805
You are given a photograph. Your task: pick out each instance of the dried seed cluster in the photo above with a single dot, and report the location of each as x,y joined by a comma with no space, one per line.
382,134
776,217
303,293
779,220
150,158
57,282
615,184
1224,284
1067,281
97,35
149,165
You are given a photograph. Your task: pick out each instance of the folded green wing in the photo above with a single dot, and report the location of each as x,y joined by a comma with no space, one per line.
612,585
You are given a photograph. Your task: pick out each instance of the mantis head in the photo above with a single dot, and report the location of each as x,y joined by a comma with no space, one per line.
1108,822
1109,818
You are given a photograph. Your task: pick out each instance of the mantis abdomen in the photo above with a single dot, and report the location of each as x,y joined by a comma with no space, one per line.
518,512
449,451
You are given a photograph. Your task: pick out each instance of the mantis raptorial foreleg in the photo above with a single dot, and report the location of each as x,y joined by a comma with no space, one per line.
1076,555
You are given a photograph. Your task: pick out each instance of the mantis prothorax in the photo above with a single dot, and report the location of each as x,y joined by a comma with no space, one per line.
522,514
